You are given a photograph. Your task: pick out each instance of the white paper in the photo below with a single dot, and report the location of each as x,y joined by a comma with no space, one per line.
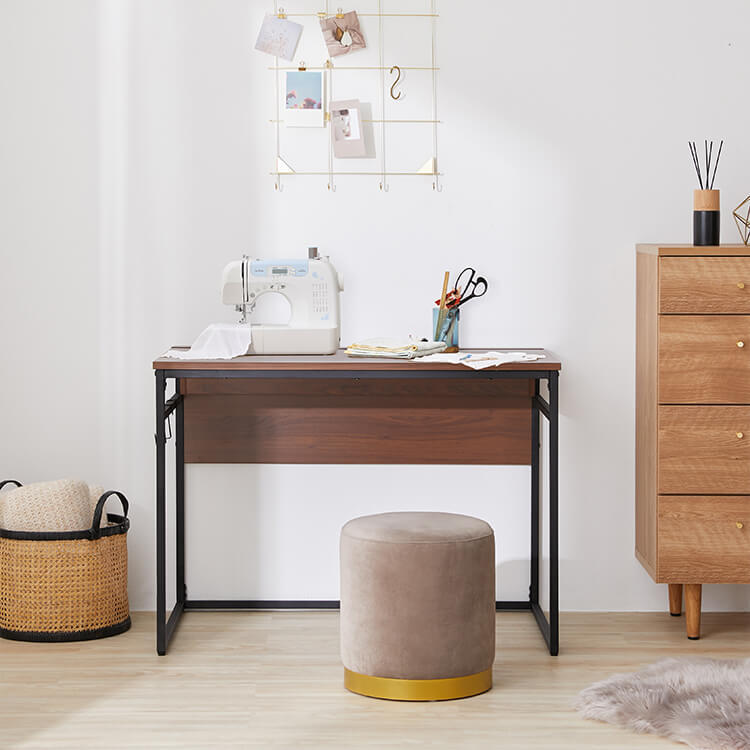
218,341
278,37
482,360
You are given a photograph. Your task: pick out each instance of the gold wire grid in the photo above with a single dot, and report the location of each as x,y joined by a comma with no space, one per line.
365,174
325,14
390,122
328,69
349,67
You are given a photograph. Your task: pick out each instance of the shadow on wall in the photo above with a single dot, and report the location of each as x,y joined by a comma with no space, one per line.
224,532
513,580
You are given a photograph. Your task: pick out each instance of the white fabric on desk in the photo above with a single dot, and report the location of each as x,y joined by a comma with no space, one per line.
395,348
481,360
218,341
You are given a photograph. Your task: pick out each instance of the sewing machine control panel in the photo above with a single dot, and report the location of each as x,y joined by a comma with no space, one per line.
279,269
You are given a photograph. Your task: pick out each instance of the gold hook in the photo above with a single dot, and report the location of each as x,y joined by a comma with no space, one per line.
395,67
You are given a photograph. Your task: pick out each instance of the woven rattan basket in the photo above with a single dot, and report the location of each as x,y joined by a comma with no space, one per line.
66,585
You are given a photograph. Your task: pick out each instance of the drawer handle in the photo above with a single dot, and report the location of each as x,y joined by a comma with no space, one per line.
740,285
740,344
740,435
739,525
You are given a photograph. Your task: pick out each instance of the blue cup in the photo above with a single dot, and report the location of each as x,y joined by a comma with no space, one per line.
449,330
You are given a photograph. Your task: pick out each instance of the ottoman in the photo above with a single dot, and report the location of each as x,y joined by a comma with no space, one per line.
417,605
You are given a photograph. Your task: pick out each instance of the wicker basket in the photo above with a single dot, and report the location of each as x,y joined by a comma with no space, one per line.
66,585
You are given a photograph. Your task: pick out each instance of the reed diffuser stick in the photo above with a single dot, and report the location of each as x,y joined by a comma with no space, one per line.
694,154
718,156
705,148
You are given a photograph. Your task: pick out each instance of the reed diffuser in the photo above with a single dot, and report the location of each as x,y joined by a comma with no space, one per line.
706,206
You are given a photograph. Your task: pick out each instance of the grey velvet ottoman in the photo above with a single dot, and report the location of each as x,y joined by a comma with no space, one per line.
417,605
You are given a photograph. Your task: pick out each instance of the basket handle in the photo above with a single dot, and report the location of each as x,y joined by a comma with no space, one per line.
95,530
10,481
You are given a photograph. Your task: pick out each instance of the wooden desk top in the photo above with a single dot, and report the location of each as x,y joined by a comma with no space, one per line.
340,361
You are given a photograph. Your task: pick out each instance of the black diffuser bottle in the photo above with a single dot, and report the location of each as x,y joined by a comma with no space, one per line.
706,217
706,209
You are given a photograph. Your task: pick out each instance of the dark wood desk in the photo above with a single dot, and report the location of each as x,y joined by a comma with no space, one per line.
345,410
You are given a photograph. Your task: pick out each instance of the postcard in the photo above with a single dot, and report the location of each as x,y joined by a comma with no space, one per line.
342,35
278,37
303,99
347,129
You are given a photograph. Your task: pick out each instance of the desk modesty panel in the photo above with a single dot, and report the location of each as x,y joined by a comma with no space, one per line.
362,421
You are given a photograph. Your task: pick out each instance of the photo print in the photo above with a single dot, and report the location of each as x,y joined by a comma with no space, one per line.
303,99
342,35
347,130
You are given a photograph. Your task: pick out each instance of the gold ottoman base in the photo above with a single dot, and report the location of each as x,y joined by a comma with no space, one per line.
418,690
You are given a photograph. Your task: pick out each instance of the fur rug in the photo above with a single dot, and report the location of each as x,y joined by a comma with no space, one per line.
704,703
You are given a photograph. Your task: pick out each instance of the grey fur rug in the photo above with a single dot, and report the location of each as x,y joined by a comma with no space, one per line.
704,703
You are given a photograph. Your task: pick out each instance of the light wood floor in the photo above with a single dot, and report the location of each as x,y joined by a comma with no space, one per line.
273,680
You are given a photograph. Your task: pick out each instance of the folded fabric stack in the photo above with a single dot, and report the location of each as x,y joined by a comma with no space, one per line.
61,505
395,348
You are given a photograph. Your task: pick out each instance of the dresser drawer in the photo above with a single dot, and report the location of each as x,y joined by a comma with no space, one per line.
704,285
704,449
704,539
704,359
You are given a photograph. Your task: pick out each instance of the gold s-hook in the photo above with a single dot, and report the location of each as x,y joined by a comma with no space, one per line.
395,67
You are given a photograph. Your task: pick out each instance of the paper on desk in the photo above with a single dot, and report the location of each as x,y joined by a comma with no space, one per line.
218,341
481,360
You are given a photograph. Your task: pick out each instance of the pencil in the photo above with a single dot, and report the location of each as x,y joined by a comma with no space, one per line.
441,313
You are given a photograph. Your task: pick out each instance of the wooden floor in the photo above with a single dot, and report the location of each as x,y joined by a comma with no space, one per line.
273,680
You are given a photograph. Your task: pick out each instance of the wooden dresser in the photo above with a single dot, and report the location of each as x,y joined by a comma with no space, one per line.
693,419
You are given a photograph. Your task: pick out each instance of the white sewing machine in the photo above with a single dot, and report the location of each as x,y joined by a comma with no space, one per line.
312,288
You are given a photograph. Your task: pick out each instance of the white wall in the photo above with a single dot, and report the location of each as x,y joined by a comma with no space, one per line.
135,151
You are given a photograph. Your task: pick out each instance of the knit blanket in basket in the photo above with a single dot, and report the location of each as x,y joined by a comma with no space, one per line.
60,505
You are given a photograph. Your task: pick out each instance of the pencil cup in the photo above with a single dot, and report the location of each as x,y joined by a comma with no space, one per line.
449,329
706,217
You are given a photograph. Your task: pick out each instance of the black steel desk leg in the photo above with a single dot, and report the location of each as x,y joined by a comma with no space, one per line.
534,583
180,590
554,596
161,517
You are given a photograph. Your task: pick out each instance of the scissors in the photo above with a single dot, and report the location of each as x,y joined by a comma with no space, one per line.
473,286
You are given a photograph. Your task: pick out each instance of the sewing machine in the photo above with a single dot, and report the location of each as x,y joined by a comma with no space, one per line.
312,288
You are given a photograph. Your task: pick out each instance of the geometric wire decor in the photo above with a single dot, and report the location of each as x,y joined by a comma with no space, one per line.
742,219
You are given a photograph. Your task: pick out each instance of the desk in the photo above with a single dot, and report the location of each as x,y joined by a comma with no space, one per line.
343,410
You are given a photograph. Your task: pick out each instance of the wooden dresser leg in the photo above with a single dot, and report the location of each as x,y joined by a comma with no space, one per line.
675,599
693,610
